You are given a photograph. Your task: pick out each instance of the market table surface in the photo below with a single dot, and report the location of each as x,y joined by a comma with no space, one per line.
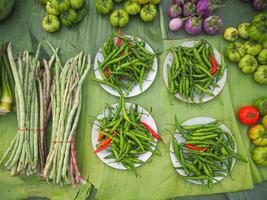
158,178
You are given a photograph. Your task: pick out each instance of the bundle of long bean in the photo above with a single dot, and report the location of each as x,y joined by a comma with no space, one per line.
66,96
207,153
194,71
124,135
126,63
6,82
26,153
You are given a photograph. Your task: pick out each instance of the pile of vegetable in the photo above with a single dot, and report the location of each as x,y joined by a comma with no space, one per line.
66,97
7,93
257,4
126,63
195,15
27,151
6,7
65,12
41,92
207,152
194,71
248,47
256,117
124,135
146,9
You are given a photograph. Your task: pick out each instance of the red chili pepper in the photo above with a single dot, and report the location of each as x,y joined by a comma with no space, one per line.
214,65
106,72
118,41
191,146
102,148
157,136
100,136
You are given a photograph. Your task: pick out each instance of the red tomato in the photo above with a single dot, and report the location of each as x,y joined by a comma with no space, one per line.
248,115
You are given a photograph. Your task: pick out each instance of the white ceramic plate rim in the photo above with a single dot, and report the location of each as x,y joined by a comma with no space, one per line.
135,90
206,98
180,139
146,117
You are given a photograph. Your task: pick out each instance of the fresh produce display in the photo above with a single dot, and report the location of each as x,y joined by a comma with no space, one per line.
66,12
196,16
66,96
126,63
6,7
120,17
50,99
252,53
7,93
257,133
257,4
206,150
194,71
124,135
27,151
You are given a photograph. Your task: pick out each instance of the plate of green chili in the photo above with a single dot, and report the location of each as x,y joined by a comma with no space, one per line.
125,64
114,154
203,150
194,71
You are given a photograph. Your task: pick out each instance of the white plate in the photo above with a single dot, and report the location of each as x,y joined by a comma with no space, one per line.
135,90
146,117
180,139
215,91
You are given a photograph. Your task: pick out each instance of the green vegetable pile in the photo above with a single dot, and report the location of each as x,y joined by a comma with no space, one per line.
126,63
7,93
251,54
194,71
207,153
257,132
66,12
120,17
124,135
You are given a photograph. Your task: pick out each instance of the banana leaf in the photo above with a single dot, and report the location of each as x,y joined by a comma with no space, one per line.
158,179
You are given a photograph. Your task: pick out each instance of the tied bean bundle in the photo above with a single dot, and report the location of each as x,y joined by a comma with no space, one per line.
208,152
26,153
125,136
126,63
66,96
194,71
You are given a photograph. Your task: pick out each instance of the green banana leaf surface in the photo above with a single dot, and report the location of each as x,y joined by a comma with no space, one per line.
157,178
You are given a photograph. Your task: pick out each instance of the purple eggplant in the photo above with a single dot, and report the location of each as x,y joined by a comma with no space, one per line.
259,4
193,25
189,9
176,24
206,7
194,1
174,11
178,2
213,25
